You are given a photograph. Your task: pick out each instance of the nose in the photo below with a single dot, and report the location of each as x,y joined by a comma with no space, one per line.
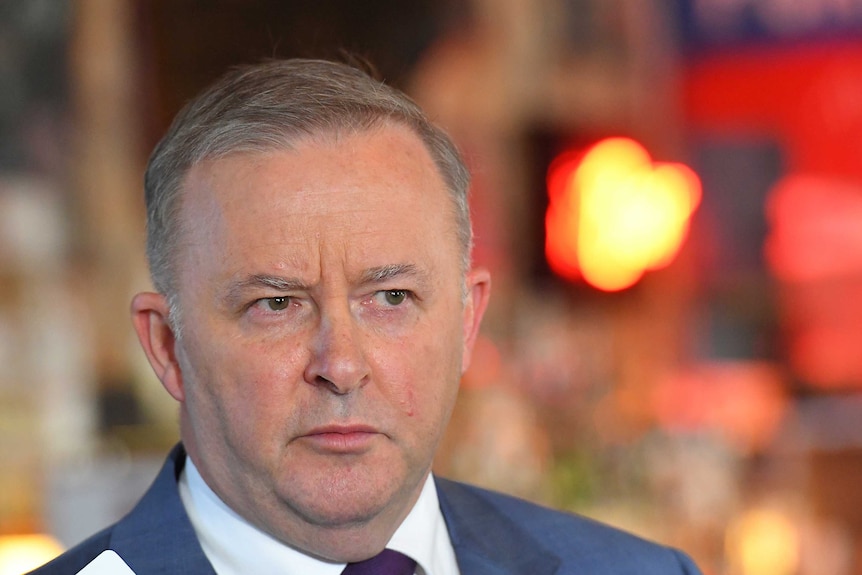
337,361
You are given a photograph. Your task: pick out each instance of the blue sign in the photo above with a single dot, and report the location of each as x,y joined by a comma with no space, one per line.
738,23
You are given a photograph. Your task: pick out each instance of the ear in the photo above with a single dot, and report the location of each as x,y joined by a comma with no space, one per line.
150,317
478,292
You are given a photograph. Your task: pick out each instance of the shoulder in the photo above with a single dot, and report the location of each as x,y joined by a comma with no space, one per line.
78,557
576,539
156,536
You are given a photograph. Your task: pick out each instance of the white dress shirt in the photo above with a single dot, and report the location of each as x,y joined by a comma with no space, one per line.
236,547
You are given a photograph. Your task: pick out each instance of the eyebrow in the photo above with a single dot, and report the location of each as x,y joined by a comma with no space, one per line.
373,275
391,271
236,289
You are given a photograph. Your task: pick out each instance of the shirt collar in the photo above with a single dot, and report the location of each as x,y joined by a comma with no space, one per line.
424,537
234,546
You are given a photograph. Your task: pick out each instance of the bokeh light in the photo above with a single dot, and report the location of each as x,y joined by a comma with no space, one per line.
615,214
22,553
763,541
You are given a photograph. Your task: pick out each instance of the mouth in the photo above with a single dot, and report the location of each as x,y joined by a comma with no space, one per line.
341,439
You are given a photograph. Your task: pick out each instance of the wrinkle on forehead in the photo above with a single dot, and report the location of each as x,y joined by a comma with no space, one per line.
294,213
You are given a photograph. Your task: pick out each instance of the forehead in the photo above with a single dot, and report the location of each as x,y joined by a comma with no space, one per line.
358,196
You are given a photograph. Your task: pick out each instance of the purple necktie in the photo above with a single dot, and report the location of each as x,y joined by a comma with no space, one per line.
387,562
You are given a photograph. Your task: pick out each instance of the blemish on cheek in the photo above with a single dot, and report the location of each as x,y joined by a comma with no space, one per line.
409,402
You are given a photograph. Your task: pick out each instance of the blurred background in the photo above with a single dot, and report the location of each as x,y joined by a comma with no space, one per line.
668,193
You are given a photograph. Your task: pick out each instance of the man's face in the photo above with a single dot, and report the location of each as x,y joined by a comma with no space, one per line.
324,333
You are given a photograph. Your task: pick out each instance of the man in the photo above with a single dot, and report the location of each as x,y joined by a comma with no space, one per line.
309,240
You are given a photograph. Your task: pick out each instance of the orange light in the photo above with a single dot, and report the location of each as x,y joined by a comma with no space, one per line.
22,553
764,541
614,214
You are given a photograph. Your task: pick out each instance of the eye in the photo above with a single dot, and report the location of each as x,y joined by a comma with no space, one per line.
279,303
395,296
391,297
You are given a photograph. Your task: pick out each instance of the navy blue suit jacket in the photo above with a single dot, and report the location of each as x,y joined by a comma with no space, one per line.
492,534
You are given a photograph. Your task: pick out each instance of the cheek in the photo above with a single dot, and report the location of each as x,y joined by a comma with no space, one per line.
247,389
265,379
422,377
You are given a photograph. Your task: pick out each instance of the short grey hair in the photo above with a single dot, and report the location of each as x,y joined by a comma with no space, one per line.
269,106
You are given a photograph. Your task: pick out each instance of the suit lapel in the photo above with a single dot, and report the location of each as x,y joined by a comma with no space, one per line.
486,541
157,536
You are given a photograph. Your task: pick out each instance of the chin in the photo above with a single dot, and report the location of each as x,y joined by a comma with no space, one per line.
343,501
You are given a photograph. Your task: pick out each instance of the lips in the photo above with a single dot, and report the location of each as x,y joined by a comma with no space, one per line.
342,439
